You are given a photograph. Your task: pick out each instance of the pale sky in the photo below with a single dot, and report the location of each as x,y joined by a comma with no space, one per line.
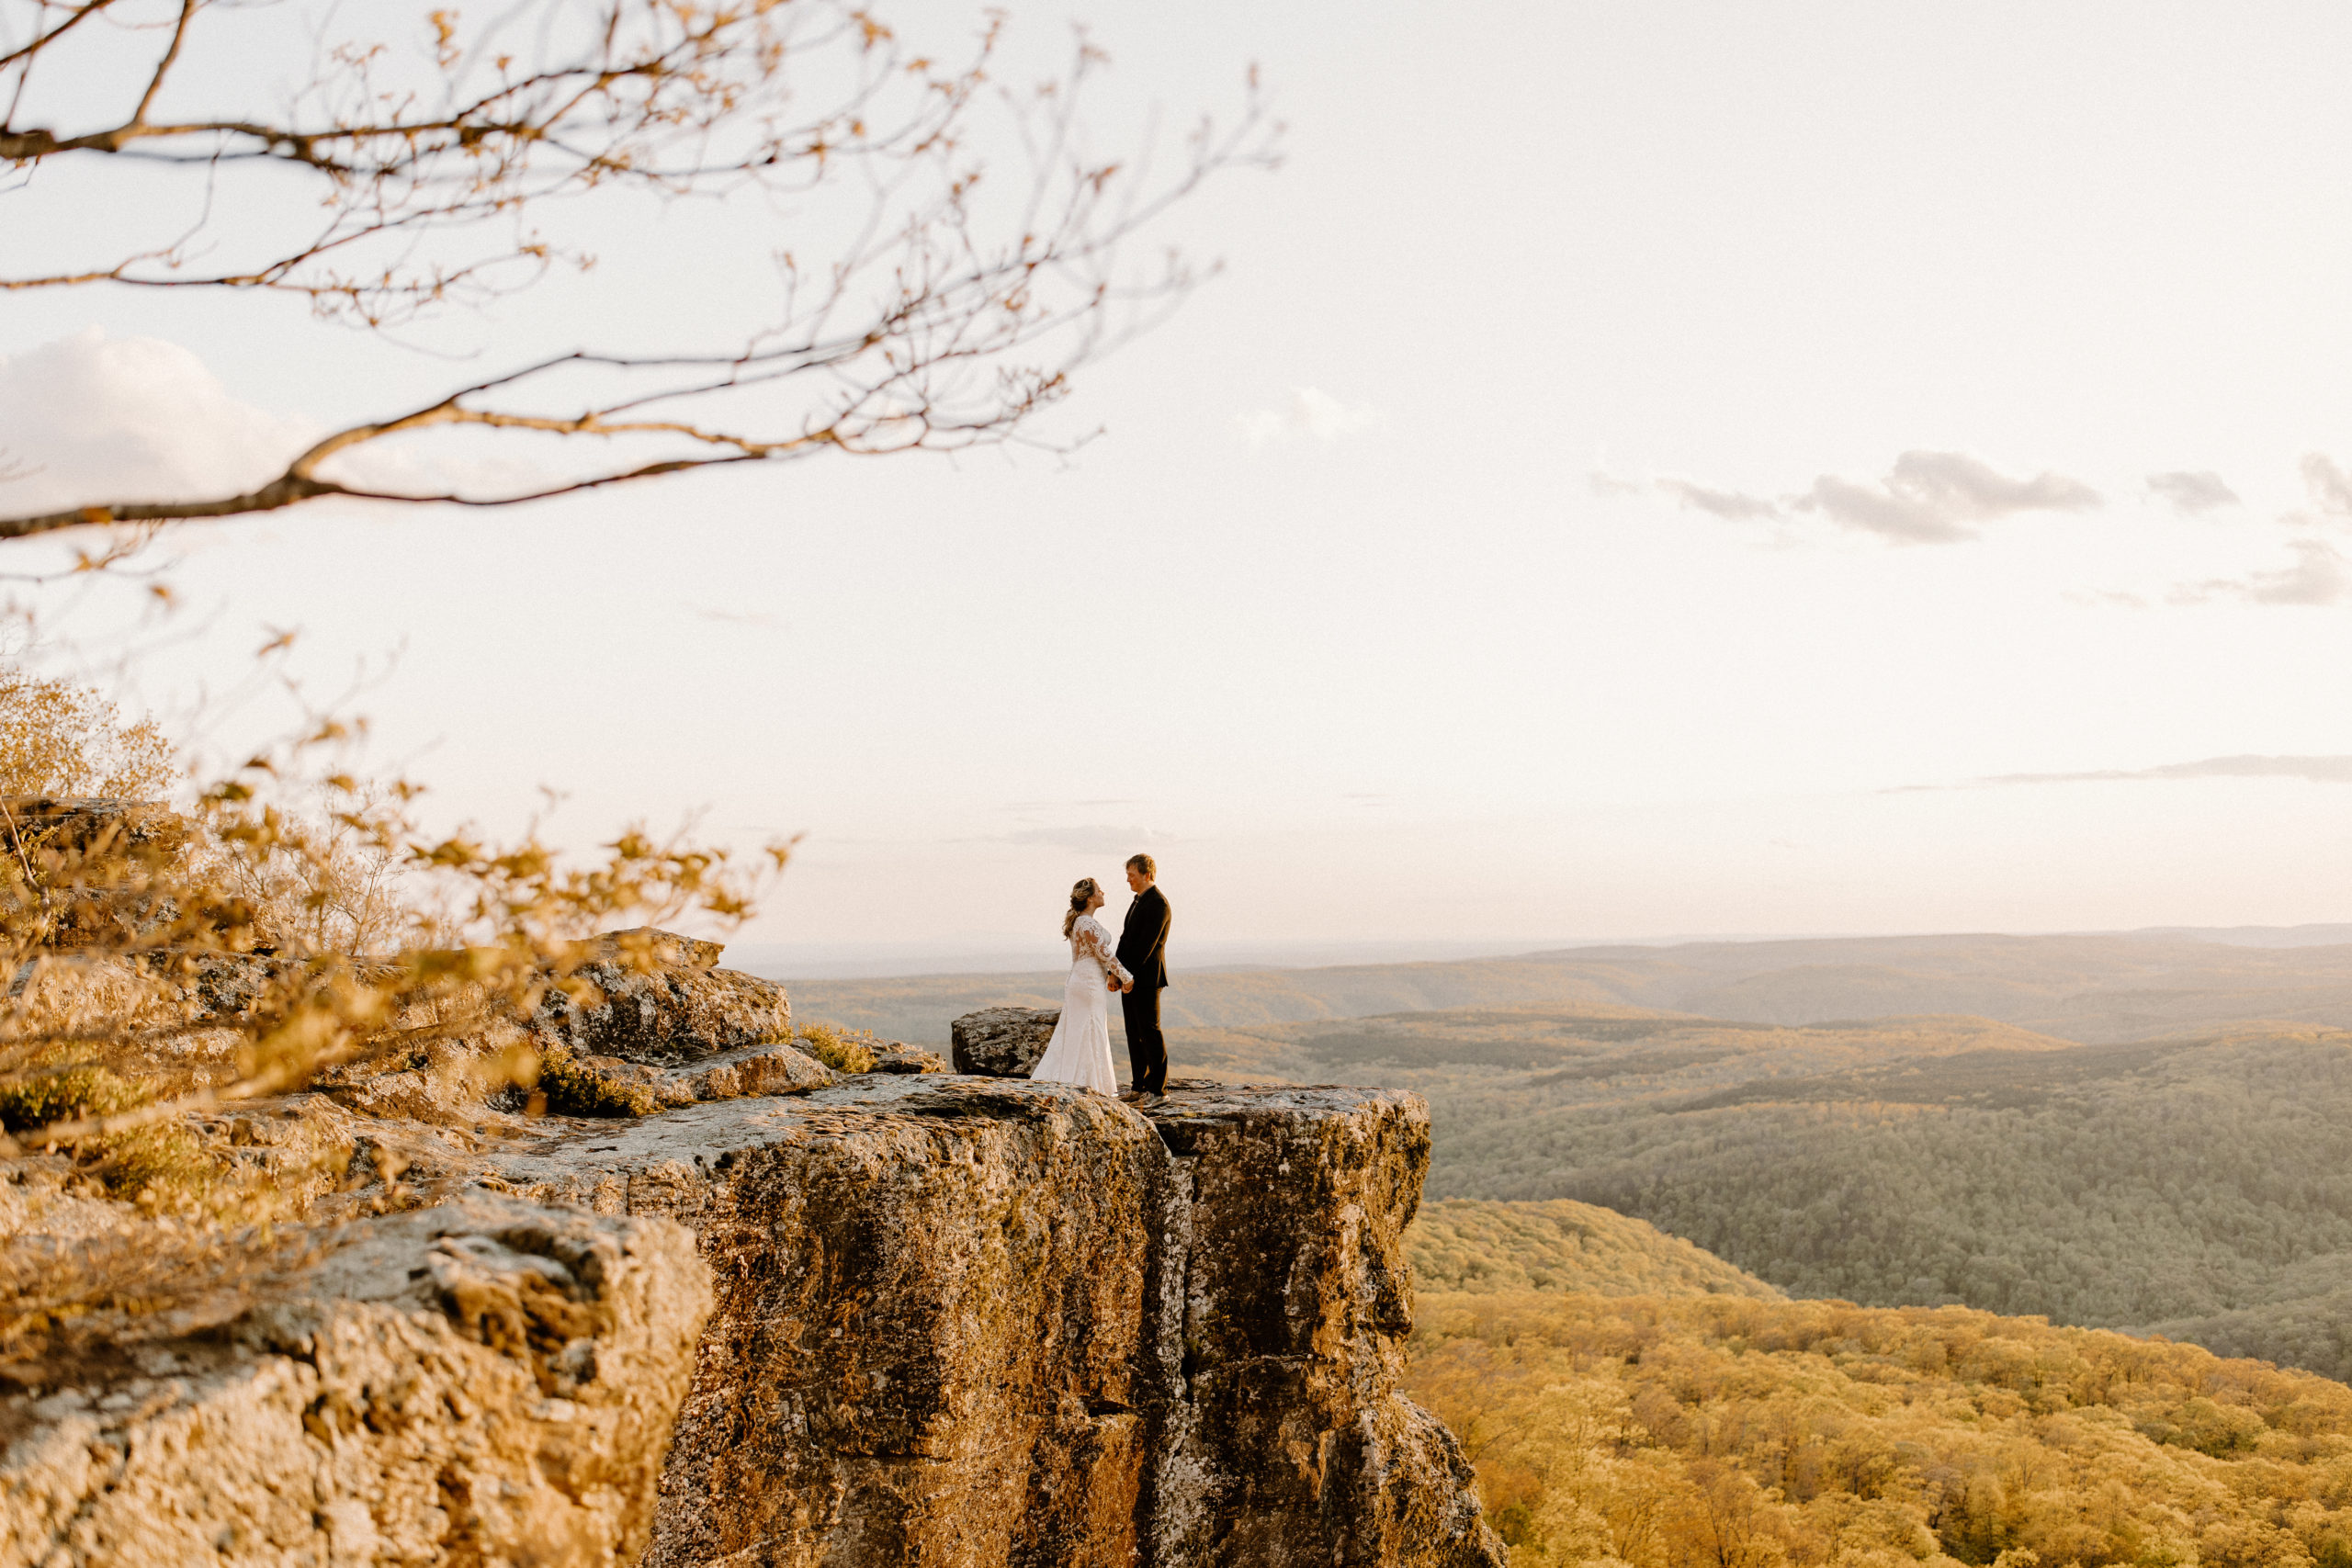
1644,469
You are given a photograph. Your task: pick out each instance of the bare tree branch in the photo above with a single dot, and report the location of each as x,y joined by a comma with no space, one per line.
946,321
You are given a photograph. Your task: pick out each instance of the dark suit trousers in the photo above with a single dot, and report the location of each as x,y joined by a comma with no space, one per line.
1146,1047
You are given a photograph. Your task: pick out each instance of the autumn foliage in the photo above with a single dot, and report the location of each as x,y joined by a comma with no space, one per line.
1731,1433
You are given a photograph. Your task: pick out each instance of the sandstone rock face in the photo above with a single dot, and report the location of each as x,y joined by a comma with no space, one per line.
926,1343
679,1009
1284,1299
1001,1042
731,1074
978,1323
482,1383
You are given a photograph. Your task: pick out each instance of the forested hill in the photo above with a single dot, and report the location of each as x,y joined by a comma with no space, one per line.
1668,1433
2200,1186
2094,988
1462,1243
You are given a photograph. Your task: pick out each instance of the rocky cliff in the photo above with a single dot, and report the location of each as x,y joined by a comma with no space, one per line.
951,1319
973,1321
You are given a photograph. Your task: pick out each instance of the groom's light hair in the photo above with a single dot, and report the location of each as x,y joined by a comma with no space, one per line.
1143,863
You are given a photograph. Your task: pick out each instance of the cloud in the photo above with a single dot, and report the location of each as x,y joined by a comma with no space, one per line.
1092,841
2318,577
762,619
2194,493
2314,770
1934,498
1729,504
1928,498
91,419
1310,415
2330,487
2106,598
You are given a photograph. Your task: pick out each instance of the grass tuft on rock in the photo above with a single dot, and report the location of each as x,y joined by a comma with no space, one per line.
574,1089
844,1051
160,1165
65,1094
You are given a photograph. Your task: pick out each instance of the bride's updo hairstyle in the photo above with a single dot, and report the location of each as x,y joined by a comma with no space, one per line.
1081,894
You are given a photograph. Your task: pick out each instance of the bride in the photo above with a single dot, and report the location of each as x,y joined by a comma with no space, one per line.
1080,1052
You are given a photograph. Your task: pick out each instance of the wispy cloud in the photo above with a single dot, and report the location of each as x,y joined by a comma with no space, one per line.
2314,770
2193,493
1730,505
2319,576
2329,486
1927,498
1311,414
1939,498
760,618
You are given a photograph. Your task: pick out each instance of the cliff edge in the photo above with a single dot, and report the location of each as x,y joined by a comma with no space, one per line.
973,1321
781,1318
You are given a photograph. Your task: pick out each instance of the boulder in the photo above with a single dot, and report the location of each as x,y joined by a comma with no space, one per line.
898,1057
484,1382
1001,1042
664,1006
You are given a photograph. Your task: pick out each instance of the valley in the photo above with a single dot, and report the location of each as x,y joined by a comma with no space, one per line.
2147,1133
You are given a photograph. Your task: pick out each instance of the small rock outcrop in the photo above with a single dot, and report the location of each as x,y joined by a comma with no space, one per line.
731,1074
898,1057
480,1382
1001,1042
661,999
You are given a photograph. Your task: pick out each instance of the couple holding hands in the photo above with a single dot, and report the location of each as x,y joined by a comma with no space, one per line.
1136,968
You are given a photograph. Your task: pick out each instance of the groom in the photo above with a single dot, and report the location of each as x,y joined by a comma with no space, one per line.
1143,952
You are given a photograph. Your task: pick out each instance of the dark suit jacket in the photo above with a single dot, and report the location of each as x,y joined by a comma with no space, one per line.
1143,940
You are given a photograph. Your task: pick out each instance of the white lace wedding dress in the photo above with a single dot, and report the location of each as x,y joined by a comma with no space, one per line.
1080,1052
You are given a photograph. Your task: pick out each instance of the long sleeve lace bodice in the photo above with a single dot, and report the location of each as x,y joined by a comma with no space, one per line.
1091,938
